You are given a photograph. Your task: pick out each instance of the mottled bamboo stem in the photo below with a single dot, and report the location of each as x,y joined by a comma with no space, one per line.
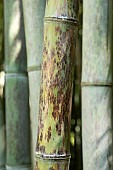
97,85
16,89
33,20
53,144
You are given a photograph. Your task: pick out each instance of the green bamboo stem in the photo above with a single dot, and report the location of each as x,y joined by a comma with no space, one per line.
97,85
53,144
2,113
16,89
33,20
1,25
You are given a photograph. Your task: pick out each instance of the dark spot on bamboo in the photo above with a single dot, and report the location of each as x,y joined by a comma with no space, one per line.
42,149
58,129
54,151
37,146
45,65
51,168
54,115
66,125
61,118
45,136
57,29
49,134
60,31
41,136
41,126
52,53
56,107
60,151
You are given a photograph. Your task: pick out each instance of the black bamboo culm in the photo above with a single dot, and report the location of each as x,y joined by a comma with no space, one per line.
53,144
16,89
33,20
97,85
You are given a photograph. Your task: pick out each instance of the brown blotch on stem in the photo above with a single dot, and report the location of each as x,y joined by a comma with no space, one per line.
58,129
51,168
41,136
42,149
60,151
49,134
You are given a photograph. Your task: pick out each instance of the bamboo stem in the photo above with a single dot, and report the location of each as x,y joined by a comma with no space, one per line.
16,89
76,135
2,112
53,145
97,85
33,20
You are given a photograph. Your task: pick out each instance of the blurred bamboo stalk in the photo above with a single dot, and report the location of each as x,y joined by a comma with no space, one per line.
97,85
33,20
53,145
76,135
16,89
2,113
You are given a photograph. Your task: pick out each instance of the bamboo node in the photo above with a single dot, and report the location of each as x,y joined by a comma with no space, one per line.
53,157
16,73
17,167
109,84
64,20
34,68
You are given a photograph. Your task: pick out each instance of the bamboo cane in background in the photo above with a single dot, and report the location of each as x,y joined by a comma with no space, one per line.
33,19
16,89
53,145
2,113
97,85
75,136
1,24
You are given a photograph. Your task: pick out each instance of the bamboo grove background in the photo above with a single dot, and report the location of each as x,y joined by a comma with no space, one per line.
21,51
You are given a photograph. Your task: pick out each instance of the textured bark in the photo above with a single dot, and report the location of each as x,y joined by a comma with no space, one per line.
97,85
33,19
16,89
53,145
